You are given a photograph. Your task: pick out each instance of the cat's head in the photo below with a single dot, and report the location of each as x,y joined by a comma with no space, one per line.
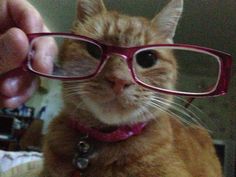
113,97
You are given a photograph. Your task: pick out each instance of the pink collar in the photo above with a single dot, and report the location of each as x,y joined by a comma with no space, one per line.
121,133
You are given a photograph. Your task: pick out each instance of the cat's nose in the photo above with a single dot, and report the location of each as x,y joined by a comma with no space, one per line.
118,85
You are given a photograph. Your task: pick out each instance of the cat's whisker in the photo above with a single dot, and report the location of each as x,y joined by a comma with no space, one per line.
74,87
165,104
75,81
75,90
198,113
145,113
71,95
75,93
77,104
178,110
191,105
77,107
181,109
174,115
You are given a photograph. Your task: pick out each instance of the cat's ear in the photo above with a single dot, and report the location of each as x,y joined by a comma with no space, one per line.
167,20
89,8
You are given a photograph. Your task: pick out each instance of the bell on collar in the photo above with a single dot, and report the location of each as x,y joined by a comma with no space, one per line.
81,162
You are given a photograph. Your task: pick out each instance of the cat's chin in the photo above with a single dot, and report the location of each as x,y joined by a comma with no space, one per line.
113,112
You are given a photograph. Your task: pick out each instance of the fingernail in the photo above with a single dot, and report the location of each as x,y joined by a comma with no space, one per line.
13,49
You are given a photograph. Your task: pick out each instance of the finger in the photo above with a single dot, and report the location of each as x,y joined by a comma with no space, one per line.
5,19
15,82
25,16
45,51
16,88
16,101
13,49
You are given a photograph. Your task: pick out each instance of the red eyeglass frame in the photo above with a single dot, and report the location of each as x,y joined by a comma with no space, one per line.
128,53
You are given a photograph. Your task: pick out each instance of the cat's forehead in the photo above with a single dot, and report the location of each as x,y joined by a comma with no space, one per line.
118,29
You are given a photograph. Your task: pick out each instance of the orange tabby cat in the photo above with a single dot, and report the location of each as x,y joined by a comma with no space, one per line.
161,147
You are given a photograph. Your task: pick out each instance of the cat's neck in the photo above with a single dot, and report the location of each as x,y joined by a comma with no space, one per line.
84,116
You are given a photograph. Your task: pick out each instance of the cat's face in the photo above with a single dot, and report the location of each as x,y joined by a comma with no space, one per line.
113,97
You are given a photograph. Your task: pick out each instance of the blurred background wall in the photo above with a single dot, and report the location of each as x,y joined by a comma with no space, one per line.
210,23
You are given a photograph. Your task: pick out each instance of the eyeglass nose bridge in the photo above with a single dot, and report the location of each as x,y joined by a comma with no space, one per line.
124,53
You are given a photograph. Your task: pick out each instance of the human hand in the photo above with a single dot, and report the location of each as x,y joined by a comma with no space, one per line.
17,18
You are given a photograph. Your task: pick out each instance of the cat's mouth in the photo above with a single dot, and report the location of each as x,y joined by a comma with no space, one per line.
108,98
117,104
113,110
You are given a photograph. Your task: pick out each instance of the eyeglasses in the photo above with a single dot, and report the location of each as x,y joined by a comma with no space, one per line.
200,71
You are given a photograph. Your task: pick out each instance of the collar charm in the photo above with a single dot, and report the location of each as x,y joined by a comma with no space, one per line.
85,147
84,150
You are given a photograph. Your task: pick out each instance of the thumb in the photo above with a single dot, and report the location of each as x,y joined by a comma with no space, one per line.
13,49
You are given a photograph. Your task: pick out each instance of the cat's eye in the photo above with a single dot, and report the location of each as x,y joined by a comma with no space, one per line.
147,58
94,50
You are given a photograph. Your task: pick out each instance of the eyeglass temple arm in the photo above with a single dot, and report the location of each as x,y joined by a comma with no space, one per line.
189,101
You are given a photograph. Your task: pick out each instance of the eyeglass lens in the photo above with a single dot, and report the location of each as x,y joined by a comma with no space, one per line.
160,67
82,57
191,71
